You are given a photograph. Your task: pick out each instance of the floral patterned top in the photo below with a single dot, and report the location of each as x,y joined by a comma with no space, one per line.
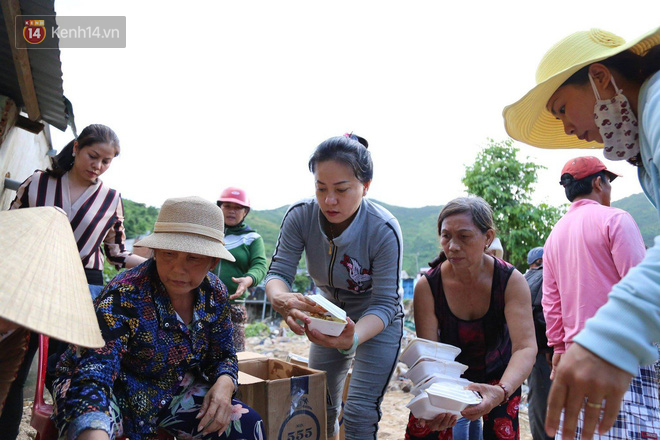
147,353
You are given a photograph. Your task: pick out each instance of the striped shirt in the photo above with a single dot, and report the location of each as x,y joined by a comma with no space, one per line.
97,216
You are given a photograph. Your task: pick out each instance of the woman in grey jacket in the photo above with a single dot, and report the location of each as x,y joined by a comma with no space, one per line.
353,250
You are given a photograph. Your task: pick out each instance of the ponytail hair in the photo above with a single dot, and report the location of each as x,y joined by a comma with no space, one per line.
92,134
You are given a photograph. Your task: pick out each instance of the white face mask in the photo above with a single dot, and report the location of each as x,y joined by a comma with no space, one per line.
617,125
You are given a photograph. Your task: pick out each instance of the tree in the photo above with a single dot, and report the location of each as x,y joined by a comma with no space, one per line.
301,283
507,184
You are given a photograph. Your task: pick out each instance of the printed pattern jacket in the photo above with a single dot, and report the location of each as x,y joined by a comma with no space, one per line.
148,351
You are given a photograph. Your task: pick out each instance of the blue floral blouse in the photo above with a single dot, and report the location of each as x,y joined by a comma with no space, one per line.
147,353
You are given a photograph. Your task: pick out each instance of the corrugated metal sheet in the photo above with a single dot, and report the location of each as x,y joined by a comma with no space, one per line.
46,70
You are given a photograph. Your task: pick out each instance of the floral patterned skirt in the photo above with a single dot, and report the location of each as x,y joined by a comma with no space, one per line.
501,423
180,417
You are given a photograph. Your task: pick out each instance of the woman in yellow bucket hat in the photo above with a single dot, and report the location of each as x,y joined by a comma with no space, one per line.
596,90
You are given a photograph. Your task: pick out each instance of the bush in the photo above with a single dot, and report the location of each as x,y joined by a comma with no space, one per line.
256,329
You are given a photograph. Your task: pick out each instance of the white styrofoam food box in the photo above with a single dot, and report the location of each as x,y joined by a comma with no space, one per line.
425,367
421,407
419,347
438,378
451,397
330,328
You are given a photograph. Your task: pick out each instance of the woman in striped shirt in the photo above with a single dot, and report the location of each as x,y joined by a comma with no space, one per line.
95,210
96,215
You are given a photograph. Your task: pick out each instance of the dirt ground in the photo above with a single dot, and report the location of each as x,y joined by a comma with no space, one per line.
395,414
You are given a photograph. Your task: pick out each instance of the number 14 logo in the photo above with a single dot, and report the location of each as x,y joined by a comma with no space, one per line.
34,31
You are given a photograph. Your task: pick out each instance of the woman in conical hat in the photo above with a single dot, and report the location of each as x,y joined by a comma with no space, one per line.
42,287
168,362
594,90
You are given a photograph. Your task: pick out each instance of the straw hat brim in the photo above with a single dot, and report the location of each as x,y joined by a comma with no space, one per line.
530,122
186,242
42,281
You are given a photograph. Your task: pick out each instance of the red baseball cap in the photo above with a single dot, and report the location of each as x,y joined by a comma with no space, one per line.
235,195
585,166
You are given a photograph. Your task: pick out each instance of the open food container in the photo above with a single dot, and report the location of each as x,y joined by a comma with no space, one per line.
439,378
425,367
330,323
451,397
421,407
419,347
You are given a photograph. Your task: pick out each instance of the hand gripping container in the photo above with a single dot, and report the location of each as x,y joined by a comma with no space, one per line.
332,327
425,367
451,397
419,347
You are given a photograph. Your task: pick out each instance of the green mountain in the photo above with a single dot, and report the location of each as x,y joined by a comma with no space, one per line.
420,238
644,214
138,218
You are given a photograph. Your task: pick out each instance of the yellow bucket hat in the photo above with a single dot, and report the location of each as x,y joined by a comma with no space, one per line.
529,121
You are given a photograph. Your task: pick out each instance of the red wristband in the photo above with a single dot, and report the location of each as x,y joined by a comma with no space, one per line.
506,392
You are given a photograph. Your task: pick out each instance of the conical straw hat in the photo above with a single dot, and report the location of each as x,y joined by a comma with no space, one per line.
42,281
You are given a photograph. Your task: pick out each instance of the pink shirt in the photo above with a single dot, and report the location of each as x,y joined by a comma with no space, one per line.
588,251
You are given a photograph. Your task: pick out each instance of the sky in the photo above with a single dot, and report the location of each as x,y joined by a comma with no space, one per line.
210,94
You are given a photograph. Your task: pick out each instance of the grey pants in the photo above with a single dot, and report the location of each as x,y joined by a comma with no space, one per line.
539,387
375,361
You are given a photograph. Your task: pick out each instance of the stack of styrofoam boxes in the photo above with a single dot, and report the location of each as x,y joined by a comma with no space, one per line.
438,386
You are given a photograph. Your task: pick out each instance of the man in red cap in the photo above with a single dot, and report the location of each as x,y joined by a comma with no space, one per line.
588,251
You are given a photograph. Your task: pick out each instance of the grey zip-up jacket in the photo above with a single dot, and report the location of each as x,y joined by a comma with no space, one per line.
359,270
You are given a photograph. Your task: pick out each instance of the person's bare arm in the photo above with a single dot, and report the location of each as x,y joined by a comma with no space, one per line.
426,324
518,313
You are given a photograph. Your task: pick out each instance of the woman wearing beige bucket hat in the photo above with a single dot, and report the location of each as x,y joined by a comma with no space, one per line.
594,90
168,362
39,241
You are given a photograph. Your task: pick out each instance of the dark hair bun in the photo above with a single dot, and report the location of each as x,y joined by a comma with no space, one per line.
360,139
566,179
363,141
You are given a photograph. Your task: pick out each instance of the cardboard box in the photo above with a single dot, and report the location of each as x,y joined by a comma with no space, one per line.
290,398
247,355
293,358
342,433
301,360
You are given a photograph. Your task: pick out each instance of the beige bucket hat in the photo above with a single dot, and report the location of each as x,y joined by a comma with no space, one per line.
189,224
42,281
529,121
